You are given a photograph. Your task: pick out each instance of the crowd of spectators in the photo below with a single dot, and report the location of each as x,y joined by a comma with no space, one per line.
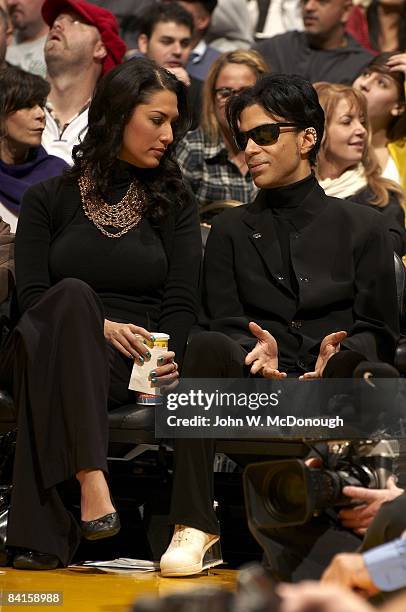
54,54
313,39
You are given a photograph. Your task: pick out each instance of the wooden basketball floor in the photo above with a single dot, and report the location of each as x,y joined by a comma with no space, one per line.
90,590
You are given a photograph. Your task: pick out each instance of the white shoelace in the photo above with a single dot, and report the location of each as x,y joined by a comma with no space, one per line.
183,534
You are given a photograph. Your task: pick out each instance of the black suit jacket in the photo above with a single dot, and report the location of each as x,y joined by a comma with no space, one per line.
343,261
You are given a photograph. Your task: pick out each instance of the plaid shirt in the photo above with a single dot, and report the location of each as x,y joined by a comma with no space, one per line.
210,172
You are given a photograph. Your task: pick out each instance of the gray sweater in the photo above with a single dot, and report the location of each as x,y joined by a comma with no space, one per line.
291,53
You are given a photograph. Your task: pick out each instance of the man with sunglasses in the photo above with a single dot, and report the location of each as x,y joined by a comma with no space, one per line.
295,283
304,261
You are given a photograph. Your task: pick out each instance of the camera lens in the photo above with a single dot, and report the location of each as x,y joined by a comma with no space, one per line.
287,491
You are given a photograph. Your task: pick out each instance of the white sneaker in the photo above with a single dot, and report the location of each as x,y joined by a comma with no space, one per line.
190,552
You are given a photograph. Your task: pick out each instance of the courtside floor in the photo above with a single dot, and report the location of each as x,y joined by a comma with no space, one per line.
88,590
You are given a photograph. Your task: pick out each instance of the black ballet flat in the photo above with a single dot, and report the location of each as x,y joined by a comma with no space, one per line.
33,560
104,527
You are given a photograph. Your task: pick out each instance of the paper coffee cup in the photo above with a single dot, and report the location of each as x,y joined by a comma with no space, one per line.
139,380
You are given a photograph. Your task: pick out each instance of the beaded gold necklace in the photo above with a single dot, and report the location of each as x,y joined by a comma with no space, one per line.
126,214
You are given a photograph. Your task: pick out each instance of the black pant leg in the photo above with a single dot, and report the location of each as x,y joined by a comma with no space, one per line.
343,364
389,524
60,381
208,355
303,552
120,372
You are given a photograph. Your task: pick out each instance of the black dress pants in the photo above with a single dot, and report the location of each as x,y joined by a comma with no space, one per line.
208,355
305,550
64,377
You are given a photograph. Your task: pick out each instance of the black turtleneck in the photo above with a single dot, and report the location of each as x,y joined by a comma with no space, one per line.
127,273
124,174
285,200
284,203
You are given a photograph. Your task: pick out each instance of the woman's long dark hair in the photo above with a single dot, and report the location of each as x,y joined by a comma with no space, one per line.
115,98
374,26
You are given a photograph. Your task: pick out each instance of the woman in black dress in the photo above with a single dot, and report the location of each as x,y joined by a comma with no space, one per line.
106,255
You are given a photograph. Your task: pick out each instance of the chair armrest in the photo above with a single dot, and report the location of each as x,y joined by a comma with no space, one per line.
400,355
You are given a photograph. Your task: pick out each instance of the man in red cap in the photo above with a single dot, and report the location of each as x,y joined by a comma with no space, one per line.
83,44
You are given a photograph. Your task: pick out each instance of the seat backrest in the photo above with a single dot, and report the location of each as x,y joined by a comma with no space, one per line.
400,274
209,211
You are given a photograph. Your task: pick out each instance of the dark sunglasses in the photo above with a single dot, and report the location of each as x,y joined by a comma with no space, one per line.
265,134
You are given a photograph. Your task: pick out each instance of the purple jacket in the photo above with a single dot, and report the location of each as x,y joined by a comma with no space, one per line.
15,179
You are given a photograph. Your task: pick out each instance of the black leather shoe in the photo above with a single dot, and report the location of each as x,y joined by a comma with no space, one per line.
5,558
33,560
104,527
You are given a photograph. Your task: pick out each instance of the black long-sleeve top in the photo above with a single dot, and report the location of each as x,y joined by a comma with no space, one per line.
148,277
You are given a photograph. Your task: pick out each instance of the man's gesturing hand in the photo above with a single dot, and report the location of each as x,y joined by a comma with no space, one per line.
329,346
263,358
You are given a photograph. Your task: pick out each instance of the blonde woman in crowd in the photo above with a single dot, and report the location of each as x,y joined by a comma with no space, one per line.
347,165
208,156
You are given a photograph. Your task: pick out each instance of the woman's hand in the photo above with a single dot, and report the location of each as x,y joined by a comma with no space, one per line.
166,374
166,371
397,63
129,339
263,358
329,346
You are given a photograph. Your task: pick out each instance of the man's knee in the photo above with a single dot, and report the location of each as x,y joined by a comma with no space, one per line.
208,343
209,355
389,523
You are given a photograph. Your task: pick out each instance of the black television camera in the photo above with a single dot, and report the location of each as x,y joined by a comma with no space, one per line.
289,492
